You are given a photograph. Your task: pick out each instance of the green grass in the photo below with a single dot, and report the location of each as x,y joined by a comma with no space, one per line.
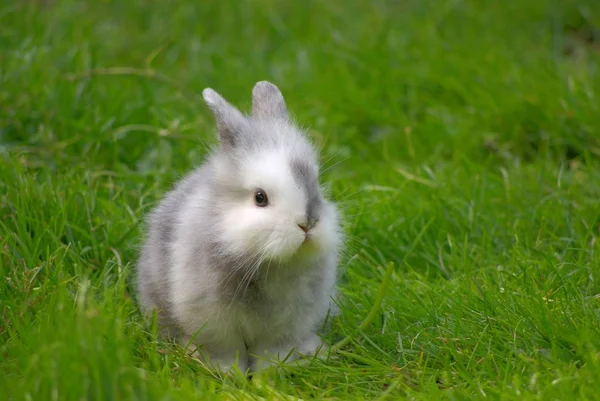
462,140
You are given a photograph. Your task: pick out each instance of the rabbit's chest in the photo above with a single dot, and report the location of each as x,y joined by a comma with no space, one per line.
275,309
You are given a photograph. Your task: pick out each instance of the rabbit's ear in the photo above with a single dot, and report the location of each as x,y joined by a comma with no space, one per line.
230,121
267,101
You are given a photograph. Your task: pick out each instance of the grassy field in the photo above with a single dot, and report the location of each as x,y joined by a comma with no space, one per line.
461,138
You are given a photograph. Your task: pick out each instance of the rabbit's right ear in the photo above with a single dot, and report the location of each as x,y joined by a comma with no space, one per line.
267,101
230,121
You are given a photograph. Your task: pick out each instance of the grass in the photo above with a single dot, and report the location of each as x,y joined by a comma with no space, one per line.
462,142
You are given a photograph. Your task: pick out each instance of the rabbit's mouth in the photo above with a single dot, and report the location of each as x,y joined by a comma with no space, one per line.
309,245
307,238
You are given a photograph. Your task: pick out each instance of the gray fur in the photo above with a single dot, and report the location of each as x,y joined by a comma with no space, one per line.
153,287
268,102
306,177
236,303
230,121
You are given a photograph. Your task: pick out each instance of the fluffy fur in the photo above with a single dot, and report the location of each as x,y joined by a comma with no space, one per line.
245,283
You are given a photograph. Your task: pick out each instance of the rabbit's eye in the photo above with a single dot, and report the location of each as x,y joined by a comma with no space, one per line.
260,198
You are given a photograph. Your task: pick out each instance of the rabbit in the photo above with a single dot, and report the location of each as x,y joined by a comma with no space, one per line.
241,256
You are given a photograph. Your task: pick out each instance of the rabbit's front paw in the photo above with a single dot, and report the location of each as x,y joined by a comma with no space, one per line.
267,356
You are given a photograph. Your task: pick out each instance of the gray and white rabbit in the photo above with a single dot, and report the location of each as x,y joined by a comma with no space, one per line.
241,256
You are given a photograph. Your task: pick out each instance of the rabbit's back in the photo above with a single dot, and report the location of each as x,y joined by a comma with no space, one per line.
156,258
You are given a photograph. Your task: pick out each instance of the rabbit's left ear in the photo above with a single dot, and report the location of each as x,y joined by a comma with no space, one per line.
231,123
267,101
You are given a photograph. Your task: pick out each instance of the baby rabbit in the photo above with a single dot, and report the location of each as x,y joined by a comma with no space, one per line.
240,258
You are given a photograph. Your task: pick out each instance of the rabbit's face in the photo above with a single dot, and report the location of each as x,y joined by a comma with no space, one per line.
277,210
267,185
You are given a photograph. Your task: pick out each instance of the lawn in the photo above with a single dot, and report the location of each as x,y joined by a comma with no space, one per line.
461,139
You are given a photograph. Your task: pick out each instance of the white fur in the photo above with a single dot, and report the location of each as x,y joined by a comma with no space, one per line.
224,329
274,228
219,236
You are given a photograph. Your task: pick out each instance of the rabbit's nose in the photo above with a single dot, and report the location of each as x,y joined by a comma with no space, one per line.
303,227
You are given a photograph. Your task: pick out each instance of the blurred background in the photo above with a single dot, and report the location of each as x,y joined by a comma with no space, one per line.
420,79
